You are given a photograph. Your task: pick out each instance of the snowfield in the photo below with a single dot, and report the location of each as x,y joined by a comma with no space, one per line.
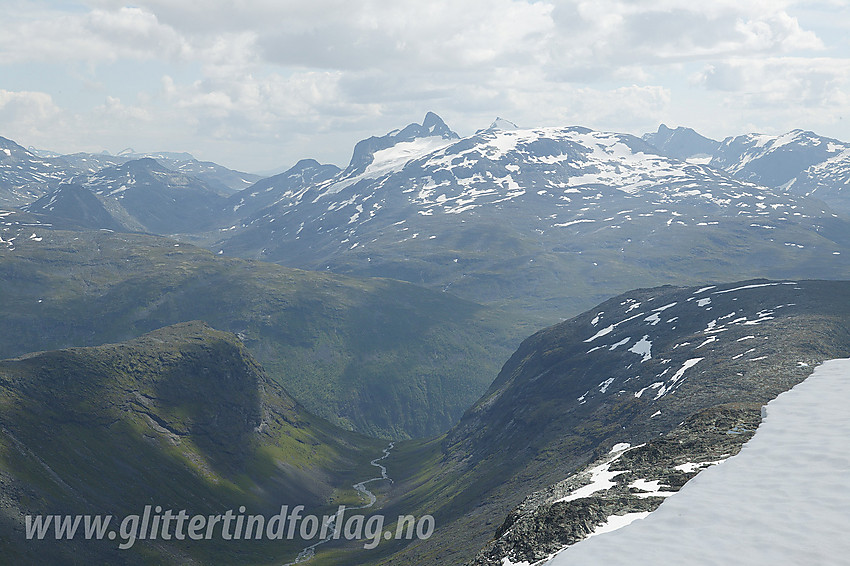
784,499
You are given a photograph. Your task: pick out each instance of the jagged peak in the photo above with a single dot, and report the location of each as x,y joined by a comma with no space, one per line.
434,123
364,151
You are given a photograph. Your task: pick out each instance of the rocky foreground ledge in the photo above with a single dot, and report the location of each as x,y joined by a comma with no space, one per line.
623,485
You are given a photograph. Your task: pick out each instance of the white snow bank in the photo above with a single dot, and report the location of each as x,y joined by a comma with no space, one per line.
617,522
600,480
784,499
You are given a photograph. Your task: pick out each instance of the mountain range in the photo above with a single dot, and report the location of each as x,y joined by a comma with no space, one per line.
208,336
547,220
26,174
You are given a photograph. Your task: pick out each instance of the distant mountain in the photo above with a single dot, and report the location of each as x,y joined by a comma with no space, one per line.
376,154
88,163
551,219
668,366
682,143
24,176
144,195
221,179
280,188
183,418
799,162
226,181
505,216
379,356
828,181
775,161
72,206
502,124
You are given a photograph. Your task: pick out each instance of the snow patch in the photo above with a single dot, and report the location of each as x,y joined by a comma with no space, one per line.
615,522
782,500
600,480
643,347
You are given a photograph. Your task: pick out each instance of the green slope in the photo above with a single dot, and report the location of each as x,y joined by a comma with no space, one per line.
183,418
379,356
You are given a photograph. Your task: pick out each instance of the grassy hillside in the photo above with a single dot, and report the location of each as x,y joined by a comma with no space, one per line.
379,356
183,418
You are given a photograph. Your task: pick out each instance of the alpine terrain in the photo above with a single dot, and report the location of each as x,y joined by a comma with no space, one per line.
527,336
548,219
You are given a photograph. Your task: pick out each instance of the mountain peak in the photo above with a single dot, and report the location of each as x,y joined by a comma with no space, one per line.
501,124
432,127
436,126
681,143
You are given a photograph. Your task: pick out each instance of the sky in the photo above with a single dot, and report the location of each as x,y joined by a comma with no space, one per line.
256,85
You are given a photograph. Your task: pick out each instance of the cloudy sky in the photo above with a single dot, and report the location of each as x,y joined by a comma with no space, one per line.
259,84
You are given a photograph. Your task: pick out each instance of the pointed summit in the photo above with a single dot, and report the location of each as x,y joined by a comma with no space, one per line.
435,125
364,152
502,124
681,143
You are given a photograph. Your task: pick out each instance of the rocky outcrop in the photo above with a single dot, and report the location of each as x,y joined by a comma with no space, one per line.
626,480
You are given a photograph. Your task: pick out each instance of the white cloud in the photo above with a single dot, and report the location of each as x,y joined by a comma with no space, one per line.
26,111
782,81
270,73
113,108
599,38
91,37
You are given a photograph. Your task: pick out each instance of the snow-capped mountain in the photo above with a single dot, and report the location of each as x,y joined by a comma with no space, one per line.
220,178
801,163
89,163
774,161
280,188
828,181
502,124
512,214
143,195
376,155
24,176
224,180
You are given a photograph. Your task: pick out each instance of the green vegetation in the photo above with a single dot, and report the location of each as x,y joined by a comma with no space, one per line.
183,418
382,357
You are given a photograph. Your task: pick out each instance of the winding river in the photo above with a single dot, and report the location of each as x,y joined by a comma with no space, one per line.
364,492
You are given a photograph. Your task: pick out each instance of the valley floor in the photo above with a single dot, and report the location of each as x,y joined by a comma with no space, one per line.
783,499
